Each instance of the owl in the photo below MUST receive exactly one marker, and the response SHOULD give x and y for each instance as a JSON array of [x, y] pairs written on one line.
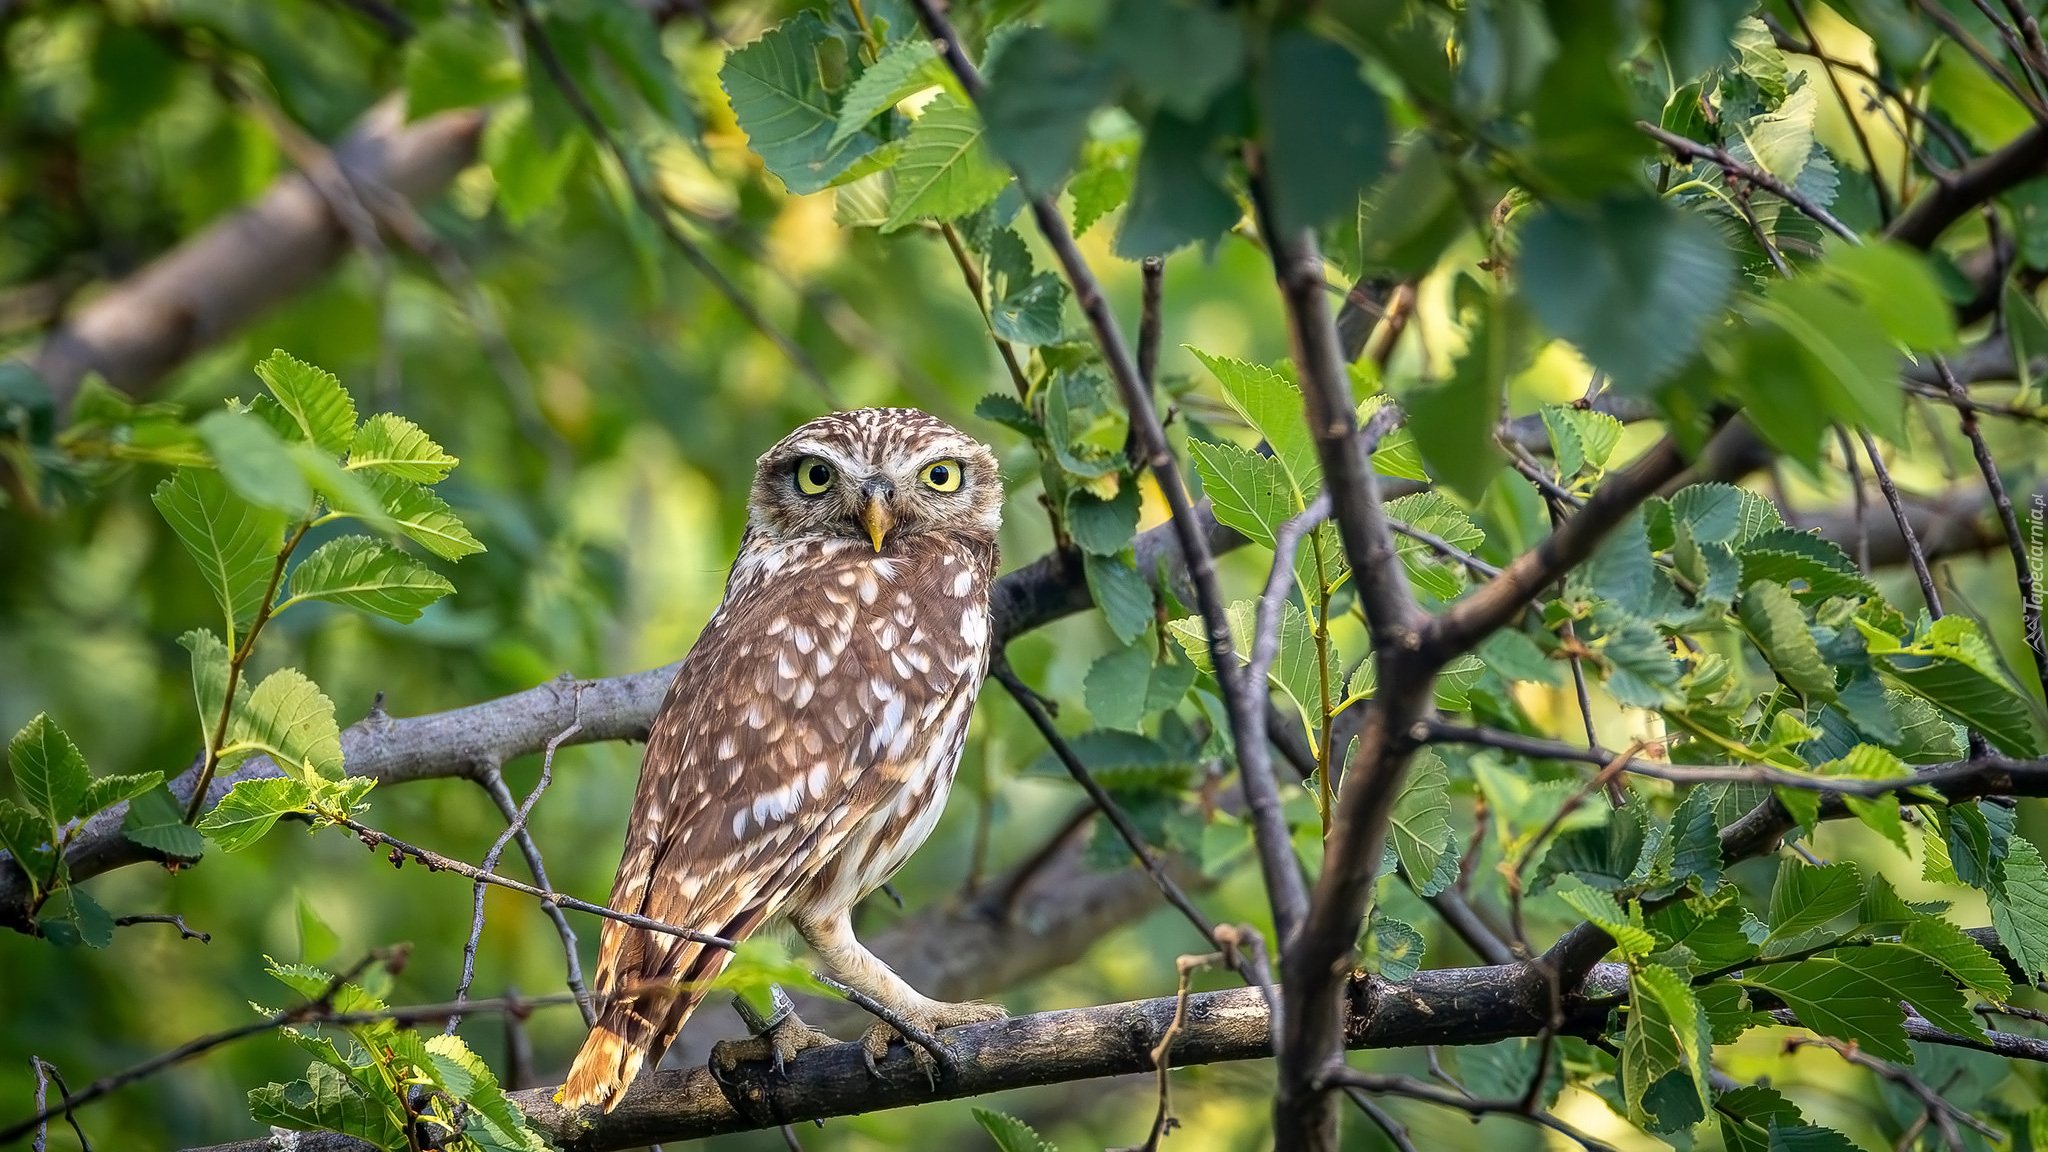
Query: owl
[[809, 739]]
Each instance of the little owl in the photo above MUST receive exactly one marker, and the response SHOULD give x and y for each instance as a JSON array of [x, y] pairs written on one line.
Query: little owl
[[809, 739]]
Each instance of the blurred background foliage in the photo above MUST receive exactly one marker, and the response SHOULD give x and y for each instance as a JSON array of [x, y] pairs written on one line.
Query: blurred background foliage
[[607, 475]]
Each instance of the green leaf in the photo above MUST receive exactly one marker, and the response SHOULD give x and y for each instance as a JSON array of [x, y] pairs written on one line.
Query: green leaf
[[1010, 1133], [424, 516], [1393, 948], [235, 542], [26, 836], [1805, 898], [71, 918], [327, 1099], [49, 770], [781, 103], [1273, 406], [1325, 129], [1179, 56], [1431, 512], [1666, 1033], [1601, 909], [1630, 282], [1896, 287], [1103, 183], [156, 821], [108, 791], [946, 170], [2027, 333], [255, 462], [1007, 410], [1774, 622], [1421, 829], [1854, 994], [1814, 569], [1948, 946], [1580, 437], [1028, 309], [315, 399], [1122, 594], [1179, 196], [1848, 358], [903, 70], [458, 62], [1041, 89], [1125, 686], [1248, 492], [395, 445], [362, 573], [250, 808], [2019, 906], [528, 174], [288, 717]]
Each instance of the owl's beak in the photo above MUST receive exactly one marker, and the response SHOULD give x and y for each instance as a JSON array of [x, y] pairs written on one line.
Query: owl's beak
[[877, 517]]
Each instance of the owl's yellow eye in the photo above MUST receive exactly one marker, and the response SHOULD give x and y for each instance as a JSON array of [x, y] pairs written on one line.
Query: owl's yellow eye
[[813, 476], [943, 476]]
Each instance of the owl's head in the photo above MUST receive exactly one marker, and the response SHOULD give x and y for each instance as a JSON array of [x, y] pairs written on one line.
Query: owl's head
[[875, 474]]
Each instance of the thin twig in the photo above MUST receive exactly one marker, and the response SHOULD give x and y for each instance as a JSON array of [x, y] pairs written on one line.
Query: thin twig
[[1884, 198], [2023, 570], [1254, 760], [972, 275], [1719, 157], [1341, 1075], [493, 783], [184, 932], [1912, 538], [1944, 1114], [1163, 1120], [490, 863]]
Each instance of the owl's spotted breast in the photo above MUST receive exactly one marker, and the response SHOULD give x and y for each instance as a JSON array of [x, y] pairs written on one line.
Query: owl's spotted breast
[[808, 742]]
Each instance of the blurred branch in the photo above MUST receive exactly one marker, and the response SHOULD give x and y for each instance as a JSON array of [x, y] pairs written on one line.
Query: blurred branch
[[219, 281], [1749, 173], [1948, 201]]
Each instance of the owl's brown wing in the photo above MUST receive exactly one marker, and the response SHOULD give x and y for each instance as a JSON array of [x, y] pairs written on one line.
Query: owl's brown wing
[[804, 709]]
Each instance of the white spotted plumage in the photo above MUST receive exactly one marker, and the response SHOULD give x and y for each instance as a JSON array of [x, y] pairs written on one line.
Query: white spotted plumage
[[809, 740]]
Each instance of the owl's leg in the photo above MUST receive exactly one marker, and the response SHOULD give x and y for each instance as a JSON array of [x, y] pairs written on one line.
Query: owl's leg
[[831, 937], [777, 1038]]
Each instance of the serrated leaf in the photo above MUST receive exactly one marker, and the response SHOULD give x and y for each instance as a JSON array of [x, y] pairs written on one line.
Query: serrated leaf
[[250, 808], [1248, 492], [288, 717], [2019, 906], [71, 918], [235, 542], [1948, 946], [1042, 86], [424, 516], [1433, 513], [902, 71], [1666, 1033], [49, 770], [392, 444], [1123, 687], [1775, 623], [1010, 413], [1103, 527], [25, 835], [363, 573], [1394, 949], [1273, 406], [1103, 183], [315, 399], [781, 102], [1010, 1133], [1812, 568], [108, 791], [327, 1099], [156, 821], [1854, 994], [1805, 897], [1601, 910], [1122, 594], [1421, 830], [946, 170], [1580, 437]]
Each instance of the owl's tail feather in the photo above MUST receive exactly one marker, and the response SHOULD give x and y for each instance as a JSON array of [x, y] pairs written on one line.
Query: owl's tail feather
[[641, 1024]]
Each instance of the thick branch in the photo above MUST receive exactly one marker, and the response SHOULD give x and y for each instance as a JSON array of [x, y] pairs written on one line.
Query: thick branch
[[222, 279], [1946, 202]]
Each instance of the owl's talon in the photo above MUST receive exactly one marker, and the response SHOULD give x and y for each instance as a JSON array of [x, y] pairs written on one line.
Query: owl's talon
[[778, 1046], [928, 1021]]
